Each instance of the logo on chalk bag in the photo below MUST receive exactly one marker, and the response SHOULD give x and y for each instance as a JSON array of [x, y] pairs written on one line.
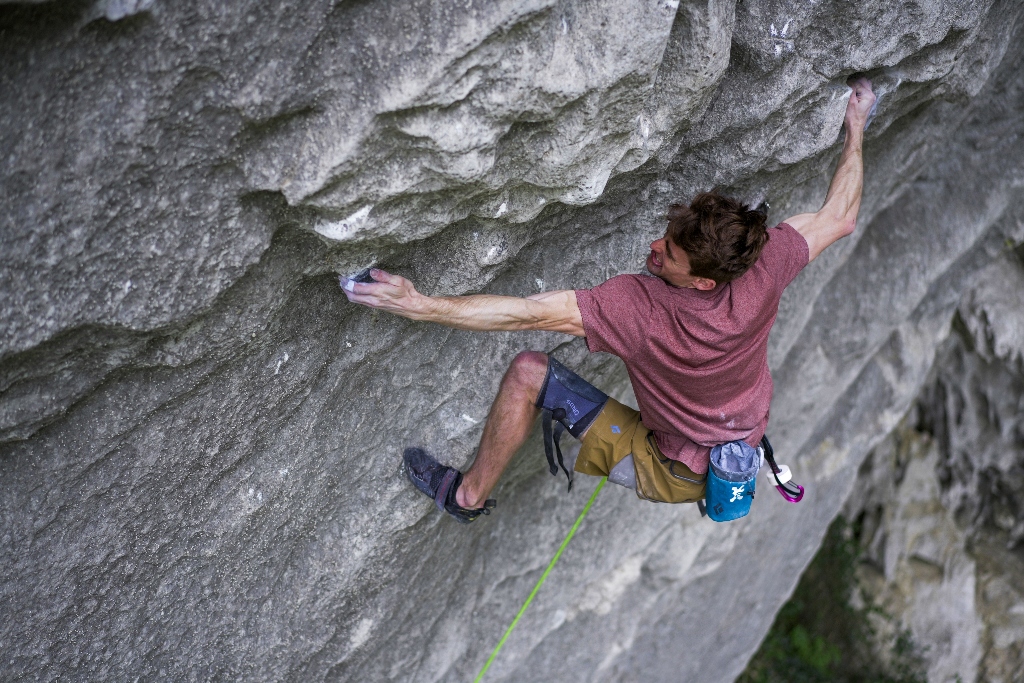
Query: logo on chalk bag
[[575, 410], [737, 493], [616, 430]]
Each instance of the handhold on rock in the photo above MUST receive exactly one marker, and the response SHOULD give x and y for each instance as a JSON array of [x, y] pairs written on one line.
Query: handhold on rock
[[362, 276]]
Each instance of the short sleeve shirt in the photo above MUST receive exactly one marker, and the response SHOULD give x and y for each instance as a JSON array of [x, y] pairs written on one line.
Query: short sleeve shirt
[[698, 361]]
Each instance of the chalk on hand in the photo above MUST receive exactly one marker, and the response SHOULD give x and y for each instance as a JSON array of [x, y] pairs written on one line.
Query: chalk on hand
[[871, 114], [362, 276], [348, 282]]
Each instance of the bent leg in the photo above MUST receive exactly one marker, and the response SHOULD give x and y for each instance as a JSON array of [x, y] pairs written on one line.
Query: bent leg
[[509, 424]]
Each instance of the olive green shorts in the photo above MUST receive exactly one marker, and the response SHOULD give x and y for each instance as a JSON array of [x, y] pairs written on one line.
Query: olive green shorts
[[618, 432]]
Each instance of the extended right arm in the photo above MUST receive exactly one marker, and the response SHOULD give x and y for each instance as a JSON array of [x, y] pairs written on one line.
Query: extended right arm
[[838, 216], [551, 311]]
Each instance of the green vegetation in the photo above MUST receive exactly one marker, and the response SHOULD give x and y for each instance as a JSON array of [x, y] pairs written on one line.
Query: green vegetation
[[819, 637]]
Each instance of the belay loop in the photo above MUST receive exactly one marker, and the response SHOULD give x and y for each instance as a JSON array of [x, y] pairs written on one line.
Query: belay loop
[[790, 490]]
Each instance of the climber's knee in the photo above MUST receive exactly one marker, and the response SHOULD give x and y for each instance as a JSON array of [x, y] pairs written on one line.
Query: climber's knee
[[526, 372], [569, 398]]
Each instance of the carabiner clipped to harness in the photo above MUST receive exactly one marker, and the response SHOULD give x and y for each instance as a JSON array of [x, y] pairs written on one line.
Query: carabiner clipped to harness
[[789, 489]]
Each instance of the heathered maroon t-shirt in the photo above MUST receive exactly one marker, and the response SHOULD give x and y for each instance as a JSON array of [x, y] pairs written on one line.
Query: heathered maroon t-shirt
[[698, 360]]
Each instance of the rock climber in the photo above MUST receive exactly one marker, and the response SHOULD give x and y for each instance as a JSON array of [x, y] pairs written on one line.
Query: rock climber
[[693, 336]]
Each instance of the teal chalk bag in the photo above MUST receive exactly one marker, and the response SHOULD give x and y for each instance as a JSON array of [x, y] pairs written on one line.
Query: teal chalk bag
[[731, 479]]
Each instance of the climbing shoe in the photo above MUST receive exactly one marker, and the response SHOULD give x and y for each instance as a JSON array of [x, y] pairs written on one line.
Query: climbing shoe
[[440, 482]]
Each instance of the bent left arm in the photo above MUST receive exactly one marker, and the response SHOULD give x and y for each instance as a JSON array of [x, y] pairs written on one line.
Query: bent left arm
[[838, 216], [550, 311]]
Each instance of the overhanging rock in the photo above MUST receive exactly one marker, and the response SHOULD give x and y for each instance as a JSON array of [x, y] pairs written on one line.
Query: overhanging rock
[[199, 469]]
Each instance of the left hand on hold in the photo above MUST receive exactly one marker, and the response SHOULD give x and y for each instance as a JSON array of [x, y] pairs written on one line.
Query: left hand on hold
[[392, 293]]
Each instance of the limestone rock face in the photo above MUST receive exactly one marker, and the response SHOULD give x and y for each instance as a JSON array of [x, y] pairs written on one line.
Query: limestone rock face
[[200, 439], [941, 501]]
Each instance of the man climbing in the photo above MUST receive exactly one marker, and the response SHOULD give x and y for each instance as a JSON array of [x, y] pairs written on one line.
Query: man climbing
[[694, 339]]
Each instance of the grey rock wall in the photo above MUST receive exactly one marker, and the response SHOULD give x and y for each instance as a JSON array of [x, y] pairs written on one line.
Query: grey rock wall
[[200, 439], [940, 502]]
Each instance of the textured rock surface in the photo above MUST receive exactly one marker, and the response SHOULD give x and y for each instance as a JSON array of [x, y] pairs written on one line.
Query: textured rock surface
[[941, 501], [199, 470]]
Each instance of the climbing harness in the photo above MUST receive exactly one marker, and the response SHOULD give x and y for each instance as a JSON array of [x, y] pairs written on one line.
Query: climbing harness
[[551, 564], [573, 402]]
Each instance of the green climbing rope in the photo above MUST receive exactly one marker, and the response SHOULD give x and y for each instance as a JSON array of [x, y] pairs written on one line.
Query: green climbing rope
[[572, 531]]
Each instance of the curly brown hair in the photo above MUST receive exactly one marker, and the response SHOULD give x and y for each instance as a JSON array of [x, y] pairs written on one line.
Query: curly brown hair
[[721, 237]]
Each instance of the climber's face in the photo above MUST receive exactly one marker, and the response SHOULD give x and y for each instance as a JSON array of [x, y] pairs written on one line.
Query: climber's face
[[668, 261]]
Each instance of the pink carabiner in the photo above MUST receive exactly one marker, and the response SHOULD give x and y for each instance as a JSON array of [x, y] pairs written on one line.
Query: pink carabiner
[[788, 496]]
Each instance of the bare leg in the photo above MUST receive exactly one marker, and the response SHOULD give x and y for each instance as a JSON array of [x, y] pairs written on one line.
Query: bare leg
[[508, 425]]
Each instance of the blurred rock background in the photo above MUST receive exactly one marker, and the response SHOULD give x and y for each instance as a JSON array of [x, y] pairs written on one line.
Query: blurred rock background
[[200, 438]]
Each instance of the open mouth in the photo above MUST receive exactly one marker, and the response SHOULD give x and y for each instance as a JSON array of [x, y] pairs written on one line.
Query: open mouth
[[655, 260]]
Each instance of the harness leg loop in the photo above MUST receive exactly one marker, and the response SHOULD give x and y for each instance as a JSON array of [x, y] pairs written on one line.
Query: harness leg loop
[[568, 403]]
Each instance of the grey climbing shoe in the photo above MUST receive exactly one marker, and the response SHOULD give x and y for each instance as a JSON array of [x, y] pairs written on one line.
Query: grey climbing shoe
[[440, 482]]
